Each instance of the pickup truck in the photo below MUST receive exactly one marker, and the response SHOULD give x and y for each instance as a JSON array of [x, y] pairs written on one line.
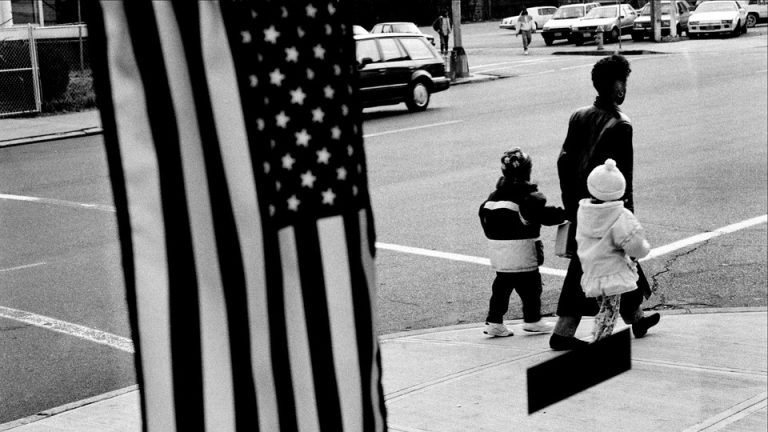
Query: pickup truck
[[757, 11]]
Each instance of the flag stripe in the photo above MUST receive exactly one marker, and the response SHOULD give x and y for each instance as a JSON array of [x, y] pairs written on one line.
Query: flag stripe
[[366, 252], [222, 81], [227, 242], [137, 131], [341, 312], [298, 336], [313, 292]]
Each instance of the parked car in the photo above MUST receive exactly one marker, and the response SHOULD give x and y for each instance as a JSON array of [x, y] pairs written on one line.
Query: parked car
[[401, 27], [642, 26], [399, 67], [757, 11], [615, 20], [718, 16], [559, 26], [540, 15]]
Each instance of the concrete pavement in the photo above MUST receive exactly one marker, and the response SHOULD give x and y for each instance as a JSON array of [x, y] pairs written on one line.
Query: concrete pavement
[[701, 371]]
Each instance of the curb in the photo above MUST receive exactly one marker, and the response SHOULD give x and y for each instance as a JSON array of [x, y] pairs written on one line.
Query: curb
[[691, 311], [51, 137], [474, 78], [606, 52]]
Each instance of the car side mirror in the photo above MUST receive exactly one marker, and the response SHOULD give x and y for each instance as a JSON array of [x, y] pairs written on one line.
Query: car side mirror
[[364, 61]]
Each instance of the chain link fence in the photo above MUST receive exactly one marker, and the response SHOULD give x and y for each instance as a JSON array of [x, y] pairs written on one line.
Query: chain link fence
[[46, 70]]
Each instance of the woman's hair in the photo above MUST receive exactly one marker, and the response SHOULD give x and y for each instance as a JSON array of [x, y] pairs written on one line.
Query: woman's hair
[[609, 70]]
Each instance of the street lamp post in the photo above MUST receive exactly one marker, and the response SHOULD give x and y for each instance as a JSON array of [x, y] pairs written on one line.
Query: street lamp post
[[461, 67]]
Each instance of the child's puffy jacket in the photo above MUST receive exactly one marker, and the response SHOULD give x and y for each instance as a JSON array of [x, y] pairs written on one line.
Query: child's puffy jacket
[[511, 218], [607, 235]]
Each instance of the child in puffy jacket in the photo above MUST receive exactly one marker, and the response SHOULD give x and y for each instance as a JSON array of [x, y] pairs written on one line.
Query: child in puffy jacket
[[609, 238], [511, 218]]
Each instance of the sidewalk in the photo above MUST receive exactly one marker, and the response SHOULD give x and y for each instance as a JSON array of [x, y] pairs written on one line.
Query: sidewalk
[[25, 130], [693, 372]]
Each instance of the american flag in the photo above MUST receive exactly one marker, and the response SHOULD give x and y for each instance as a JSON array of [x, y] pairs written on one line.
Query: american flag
[[233, 133]]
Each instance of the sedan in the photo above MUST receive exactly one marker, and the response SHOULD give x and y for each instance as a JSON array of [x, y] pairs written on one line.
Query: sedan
[[398, 67], [642, 26], [718, 16], [401, 27], [613, 21], [540, 15]]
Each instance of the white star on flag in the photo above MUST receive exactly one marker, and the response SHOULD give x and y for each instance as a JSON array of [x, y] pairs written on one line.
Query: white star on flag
[[302, 138], [276, 78], [292, 55], [336, 70], [331, 9], [341, 174], [335, 132], [310, 74], [297, 96], [245, 36], [350, 150], [293, 203], [317, 115], [328, 196], [260, 124], [344, 110], [323, 155], [319, 51], [308, 180], [282, 119], [254, 80], [328, 29], [311, 11], [271, 35], [300, 31], [266, 167], [328, 90], [288, 161]]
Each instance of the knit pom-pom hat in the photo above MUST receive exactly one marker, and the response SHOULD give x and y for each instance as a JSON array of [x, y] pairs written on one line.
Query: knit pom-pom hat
[[606, 182], [516, 164]]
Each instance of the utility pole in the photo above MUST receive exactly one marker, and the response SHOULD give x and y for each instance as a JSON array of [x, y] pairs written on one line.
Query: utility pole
[[656, 19], [673, 19], [461, 67]]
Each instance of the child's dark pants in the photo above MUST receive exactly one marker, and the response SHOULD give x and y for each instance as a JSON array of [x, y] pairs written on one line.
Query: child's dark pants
[[528, 286]]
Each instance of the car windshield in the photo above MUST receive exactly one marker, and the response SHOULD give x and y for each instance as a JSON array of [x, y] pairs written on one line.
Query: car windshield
[[568, 12], [646, 10], [716, 7], [602, 12]]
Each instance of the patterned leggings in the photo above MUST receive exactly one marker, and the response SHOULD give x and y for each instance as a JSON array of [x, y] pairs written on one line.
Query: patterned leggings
[[605, 319]]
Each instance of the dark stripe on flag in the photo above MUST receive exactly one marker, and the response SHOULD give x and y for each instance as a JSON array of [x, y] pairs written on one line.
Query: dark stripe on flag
[[318, 326], [578, 370], [363, 314], [227, 242], [97, 46], [183, 288]]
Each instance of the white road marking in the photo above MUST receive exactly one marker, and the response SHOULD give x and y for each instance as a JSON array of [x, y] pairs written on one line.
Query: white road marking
[[455, 257], [82, 332], [732, 414], [52, 201], [21, 267], [371, 135], [657, 252], [662, 250]]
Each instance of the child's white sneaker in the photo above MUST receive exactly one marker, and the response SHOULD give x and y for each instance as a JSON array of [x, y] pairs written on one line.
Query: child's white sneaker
[[497, 330], [538, 327]]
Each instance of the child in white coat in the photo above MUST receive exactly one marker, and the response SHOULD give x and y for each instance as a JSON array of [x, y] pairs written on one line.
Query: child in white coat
[[609, 240]]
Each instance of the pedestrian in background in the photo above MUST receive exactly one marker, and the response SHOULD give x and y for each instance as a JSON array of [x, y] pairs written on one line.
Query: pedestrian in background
[[610, 240], [511, 218], [525, 26], [596, 133], [442, 25]]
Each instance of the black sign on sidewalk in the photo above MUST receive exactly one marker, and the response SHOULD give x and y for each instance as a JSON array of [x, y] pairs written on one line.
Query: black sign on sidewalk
[[578, 370]]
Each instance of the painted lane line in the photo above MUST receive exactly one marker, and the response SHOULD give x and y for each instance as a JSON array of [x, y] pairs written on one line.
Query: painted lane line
[[655, 253], [732, 414], [52, 201], [371, 135], [21, 267], [663, 250], [76, 330], [455, 257]]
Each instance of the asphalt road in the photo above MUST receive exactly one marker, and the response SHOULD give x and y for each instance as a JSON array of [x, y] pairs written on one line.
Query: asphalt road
[[700, 143]]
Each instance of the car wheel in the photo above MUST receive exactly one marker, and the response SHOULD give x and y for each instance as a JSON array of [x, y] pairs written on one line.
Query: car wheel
[[548, 40], [418, 96], [736, 30], [637, 37], [615, 34], [751, 20]]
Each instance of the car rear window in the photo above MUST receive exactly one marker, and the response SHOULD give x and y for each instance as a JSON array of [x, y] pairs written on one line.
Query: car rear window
[[569, 12], [417, 48], [390, 50], [367, 48]]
